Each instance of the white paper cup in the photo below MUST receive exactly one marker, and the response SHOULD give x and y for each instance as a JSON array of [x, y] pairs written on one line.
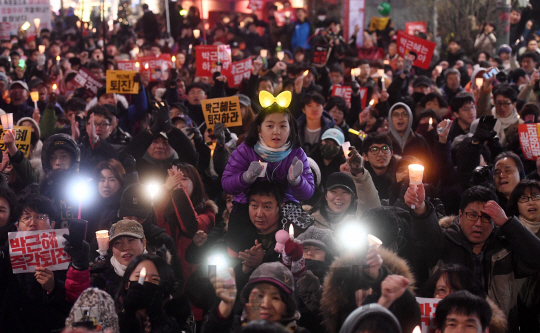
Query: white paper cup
[[102, 237], [416, 173], [372, 240]]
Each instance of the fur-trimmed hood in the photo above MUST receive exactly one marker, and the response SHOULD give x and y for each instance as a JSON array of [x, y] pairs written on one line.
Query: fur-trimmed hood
[[338, 298], [209, 204]]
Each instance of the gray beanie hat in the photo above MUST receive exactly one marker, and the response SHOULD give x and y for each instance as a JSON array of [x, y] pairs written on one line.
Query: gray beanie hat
[[322, 238], [94, 306]]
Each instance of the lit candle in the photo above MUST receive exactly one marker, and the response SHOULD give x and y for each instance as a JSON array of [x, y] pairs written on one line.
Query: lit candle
[[196, 33], [352, 75], [380, 72], [287, 14], [291, 232], [371, 103], [430, 127], [173, 59], [416, 173], [34, 95], [57, 58], [190, 47], [264, 53], [479, 82], [41, 49], [146, 66], [102, 237], [417, 329], [7, 121], [387, 62], [37, 22], [382, 84], [280, 55], [54, 87], [78, 24], [306, 72], [142, 275], [439, 69], [357, 72], [137, 65]]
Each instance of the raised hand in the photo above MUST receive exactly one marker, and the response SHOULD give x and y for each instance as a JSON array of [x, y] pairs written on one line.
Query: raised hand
[[295, 170], [254, 170]]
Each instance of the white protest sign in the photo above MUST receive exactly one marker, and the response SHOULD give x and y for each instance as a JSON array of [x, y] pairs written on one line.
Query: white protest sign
[[427, 313], [15, 13]]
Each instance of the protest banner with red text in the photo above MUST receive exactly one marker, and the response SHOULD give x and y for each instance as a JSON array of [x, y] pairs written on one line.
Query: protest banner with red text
[[529, 141], [85, 79], [40, 248], [208, 55], [412, 27], [238, 71], [284, 15], [418, 50], [157, 67], [427, 313], [346, 92]]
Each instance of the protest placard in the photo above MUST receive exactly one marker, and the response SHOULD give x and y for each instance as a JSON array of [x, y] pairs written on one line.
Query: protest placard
[[121, 82], [528, 139], [427, 313], [281, 16], [346, 91], [224, 110], [238, 71], [378, 23], [412, 27], [85, 79], [418, 50], [16, 13], [23, 135], [208, 55], [40, 248], [320, 54], [158, 67]]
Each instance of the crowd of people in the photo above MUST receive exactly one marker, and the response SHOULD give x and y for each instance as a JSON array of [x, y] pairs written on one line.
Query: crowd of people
[[302, 219]]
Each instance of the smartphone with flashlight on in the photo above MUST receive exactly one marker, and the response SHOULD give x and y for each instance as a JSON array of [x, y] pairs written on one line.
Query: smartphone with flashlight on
[[77, 232]]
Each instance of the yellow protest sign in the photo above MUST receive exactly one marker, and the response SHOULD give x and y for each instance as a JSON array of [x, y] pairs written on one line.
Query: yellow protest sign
[[121, 82], [23, 134], [224, 110], [378, 23]]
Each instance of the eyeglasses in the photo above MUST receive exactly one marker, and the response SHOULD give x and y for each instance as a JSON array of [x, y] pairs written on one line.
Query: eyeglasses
[[376, 150], [102, 125], [40, 218], [400, 115], [468, 109], [526, 198], [474, 217], [503, 103]]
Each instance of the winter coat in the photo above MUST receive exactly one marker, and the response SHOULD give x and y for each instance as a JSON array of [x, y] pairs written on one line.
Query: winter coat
[[93, 154], [529, 302], [383, 182], [510, 252], [367, 198], [327, 122], [301, 34], [310, 289], [233, 181], [333, 166], [19, 111], [175, 214], [338, 299], [26, 173], [485, 43], [35, 153]]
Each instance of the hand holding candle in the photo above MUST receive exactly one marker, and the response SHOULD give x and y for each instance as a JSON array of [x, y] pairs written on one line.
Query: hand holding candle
[[291, 232], [142, 275], [102, 237], [416, 173]]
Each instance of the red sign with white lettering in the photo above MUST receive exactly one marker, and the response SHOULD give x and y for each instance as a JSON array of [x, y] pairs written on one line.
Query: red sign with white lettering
[[412, 27], [207, 56], [238, 71], [346, 92], [418, 50]]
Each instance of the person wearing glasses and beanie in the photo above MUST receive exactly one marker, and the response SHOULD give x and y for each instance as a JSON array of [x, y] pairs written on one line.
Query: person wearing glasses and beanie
[[497, 248], [380, 161]]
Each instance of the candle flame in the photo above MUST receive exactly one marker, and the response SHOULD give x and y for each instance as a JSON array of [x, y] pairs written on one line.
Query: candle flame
[[387, 62], [291, 230], [357, 71], [57, 58], [137, 65], [417, 329], [146, 66], [352, 71], [54, 86], [173, 59], [371, 102], [143, 272], [431, 121], [306, 72]]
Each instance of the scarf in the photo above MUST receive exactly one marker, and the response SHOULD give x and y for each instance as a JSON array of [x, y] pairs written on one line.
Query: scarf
[[503, 123], [118, 267], [534, 227], [272, 154]]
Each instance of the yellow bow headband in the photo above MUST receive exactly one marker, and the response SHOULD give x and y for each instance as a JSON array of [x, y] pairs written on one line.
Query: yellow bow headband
[[267, 99]]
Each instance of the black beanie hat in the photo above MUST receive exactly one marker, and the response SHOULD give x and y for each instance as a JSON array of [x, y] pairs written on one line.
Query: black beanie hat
[[343, 180], [135, 202], [60, 141]]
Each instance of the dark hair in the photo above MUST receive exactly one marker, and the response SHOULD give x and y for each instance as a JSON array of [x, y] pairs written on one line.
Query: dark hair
[[99, 110], [461, 99], [312, 97], [378, 138], [512, 206], [116, 168], [376, 323], [431, 96], [458, 277], [476, 194], [258, 326], [166, 275], [144, 6], [336, 68], [267, 188], [95, 65], [339, 102], [513, 156], [465, 303], [506, 91], [289, 300], [37, 203], [531, 55], [200, 85], [530, 109], [198, 195], [426, 113], [487, 54], [361, 62], [11, 199], [264, 79], [253, 134]]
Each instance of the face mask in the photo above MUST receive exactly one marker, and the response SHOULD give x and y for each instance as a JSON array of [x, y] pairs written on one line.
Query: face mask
[[34, 138], [321, 17], [328, 152], [100, 43]]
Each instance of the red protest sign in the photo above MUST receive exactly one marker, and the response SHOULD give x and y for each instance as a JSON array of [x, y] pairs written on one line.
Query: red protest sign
[[320, 54], [41, 248], [427, 313], [158, 67], [85, 79], [346, 92], [528, 139], [418, 50], [281, 16], [206, 57], [411, 27], [238, 71]]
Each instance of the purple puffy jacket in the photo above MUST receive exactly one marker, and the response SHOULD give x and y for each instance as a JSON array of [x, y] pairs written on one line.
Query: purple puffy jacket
[[239, 162]]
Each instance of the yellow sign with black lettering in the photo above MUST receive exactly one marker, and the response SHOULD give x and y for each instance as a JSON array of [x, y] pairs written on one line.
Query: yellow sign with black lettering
[[121, 82], [378, 23], [23, 135], [224, 110]]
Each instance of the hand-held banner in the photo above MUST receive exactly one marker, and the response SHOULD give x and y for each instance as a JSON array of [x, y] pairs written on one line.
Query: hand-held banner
[[224, 110], [427, 313], [346, 93], [40, 248], [238, 71], [206, 57], [418, 50], [528, 139], [85, 79], [412, 27], [23, 136], [121, 82]]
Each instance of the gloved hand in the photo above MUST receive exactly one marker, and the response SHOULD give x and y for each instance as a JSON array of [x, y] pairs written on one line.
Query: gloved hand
[[295, 170], [52, 100], [219, 132], [355, 87], [194, 134], [484, 130], [136, 297], [162, 118], [355, 161], [294, 250], [79, 257], [129, 163], [155, 294], [254, 170]]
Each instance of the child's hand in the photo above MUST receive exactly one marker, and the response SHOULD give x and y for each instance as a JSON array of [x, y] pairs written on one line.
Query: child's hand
[[295, 170], [254, 170]]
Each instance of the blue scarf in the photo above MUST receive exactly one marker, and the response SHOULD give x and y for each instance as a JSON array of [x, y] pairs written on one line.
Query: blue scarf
[[270, 154]]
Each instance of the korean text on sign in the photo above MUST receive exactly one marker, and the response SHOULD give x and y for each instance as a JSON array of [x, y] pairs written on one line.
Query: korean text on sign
[[208, 55], [320, 55], [85, 79], [346, 92], [529, 141], [40, 248], [23, 135], [13, 14], [412, 27], [427, 313], [224, 110], [238, 71], [418, 50], [158, 67], [122, 82]]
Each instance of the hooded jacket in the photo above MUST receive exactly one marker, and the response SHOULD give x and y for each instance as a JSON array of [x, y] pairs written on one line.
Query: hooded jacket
[[300, 35], [510, 252], [35, 154], [326, 122], [233, 181]]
